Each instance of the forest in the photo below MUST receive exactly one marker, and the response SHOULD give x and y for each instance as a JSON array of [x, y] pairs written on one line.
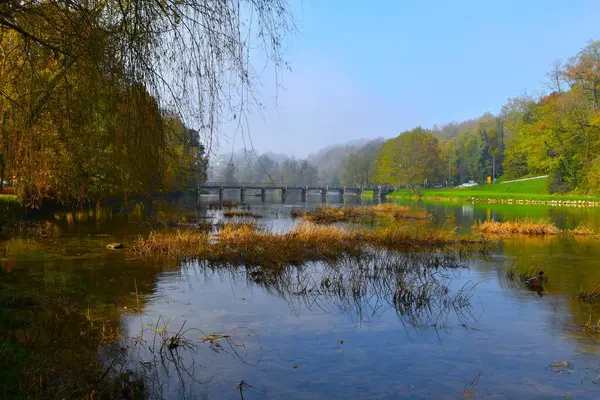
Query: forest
[[556, 134]]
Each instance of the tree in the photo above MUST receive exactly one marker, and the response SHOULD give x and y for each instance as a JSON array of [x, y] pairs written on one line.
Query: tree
[[187, 52], [89, 90], [410, 158]]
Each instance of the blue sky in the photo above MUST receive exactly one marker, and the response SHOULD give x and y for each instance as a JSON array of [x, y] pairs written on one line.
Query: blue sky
[[367, 69]]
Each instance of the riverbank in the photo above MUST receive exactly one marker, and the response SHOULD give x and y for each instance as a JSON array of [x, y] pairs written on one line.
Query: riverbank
[[530, 192]]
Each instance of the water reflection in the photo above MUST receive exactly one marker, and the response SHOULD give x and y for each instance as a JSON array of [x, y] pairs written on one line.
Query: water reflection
[[348, 326]]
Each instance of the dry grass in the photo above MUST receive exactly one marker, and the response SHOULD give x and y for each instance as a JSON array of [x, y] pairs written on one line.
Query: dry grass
[[243, 243], [591, 328], [516, 227], [240, 214], [392, 237], [589, 295], [217, 205], [328, 214], [164, 218], [528, 227], [581, 230]]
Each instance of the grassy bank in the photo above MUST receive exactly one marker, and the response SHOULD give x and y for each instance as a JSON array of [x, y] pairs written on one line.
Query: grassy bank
[[525, 192]]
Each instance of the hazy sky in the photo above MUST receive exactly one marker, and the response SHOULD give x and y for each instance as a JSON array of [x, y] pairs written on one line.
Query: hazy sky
[[366, 69]]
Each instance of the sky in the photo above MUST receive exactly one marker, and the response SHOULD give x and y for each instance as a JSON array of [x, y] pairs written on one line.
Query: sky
[[368, 69]]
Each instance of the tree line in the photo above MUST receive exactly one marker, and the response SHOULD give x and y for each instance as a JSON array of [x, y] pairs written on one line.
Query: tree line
[[555, 134]]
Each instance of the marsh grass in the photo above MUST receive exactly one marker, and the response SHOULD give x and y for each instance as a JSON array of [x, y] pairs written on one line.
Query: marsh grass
[[589, 295], [244, 243], [329, 214], [217, 205], [581, 230], [169, 219], [517, 227], [528, 227], [240, 214], [591, 328]]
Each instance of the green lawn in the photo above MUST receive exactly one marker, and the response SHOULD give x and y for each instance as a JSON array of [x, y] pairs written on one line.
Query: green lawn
[[534, 189]]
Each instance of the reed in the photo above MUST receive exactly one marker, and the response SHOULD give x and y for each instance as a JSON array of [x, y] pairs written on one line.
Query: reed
[[589, 295], [592, 328], [217, 205], [240, 214], [328, 214], [529, 227], [581, 230], [244, 243], [516, 227]]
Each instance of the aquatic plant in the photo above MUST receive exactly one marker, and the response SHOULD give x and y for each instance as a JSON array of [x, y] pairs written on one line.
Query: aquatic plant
[[240, 214], [529, 227], [592, 328], [516, 227], [244, 243], [329, 214], [581, 230], [168, 219], [589, 295], [217, 205]]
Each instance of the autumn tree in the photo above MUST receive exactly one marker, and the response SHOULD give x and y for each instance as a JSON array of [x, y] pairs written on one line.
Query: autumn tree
[[410, 158], [89, 89]]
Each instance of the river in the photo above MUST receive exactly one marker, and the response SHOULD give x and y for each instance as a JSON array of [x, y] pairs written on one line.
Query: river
[[481, 336]]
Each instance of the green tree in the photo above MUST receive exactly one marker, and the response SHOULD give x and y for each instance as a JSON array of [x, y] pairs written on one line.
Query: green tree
[[410, 158]]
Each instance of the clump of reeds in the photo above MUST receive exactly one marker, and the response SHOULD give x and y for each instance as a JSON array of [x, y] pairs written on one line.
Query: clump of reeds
[[528, 227], [217, 205], [181, 243], [240, 214], [328, 214], [162, 218], [404, 236], [581, 230], [592, 328], [204, 226], [516, 227], [244, 243], [589, 295]]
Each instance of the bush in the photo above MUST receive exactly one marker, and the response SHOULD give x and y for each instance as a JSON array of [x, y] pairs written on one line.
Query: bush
[[560, 181]]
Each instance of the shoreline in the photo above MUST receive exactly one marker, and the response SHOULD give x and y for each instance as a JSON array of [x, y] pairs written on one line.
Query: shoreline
[[507, 201]]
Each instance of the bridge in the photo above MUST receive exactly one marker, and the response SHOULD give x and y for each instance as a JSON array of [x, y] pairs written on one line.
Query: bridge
[[378, 191]]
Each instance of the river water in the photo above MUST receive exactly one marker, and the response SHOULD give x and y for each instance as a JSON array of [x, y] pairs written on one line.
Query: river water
[[476, 334]]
